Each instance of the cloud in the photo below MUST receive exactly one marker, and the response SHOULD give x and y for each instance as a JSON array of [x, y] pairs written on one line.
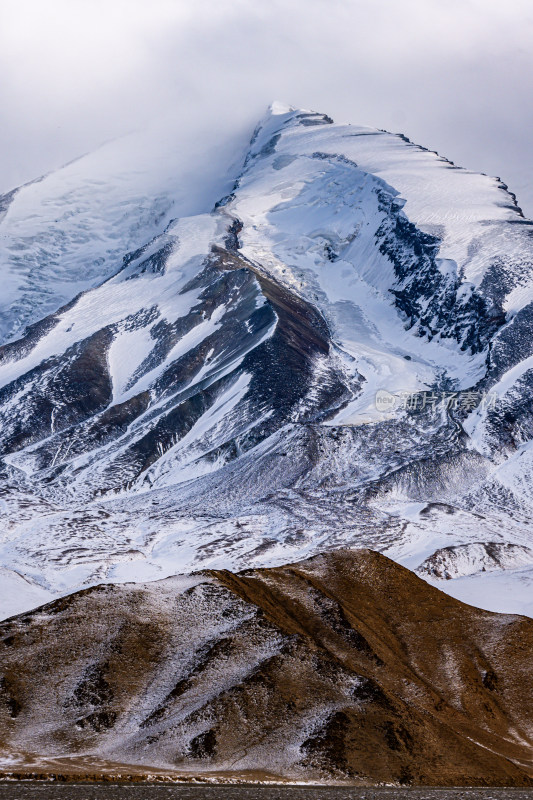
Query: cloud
[[456, 76]]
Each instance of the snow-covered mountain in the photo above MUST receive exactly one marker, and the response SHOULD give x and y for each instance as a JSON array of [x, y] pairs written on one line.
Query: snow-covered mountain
[[336, 351]]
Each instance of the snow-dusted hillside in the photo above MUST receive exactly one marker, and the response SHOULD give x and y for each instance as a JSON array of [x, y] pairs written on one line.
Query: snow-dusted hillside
[[344, 667], [211, 400]]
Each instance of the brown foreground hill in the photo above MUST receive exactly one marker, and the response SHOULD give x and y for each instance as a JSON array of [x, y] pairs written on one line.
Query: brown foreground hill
[[345, 667]]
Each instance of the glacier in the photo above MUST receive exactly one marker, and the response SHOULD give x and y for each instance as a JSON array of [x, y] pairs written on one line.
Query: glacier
[[190, 364]]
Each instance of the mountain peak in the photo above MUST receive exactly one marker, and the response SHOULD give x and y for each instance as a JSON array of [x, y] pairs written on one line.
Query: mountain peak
[[277, 108]]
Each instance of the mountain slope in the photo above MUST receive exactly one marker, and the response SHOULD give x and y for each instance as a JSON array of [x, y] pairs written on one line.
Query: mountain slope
[[342, 667], [213, 402], [68, 230]]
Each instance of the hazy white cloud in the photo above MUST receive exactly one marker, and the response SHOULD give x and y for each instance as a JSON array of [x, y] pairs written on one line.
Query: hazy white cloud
[[454, 75]]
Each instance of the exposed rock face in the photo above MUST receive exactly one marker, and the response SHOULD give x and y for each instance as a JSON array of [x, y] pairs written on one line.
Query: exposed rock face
[[469, 559], [342, 667]]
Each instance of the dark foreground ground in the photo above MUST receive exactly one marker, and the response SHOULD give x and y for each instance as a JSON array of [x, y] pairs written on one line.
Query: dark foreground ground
[[42, 791]]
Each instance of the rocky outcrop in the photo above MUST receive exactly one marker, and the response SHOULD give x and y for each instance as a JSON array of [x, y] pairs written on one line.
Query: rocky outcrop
[[469, 559]]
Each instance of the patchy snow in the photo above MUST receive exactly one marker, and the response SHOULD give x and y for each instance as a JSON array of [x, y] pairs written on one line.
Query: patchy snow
[[474, 425], [469, 559], [117, 300], [175, 465]]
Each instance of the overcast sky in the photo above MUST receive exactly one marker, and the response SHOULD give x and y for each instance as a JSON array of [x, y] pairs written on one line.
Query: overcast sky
[[453, 75]]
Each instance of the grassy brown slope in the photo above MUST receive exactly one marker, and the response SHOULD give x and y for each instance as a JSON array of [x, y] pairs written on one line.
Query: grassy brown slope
[[466, 673], [346, 666]]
